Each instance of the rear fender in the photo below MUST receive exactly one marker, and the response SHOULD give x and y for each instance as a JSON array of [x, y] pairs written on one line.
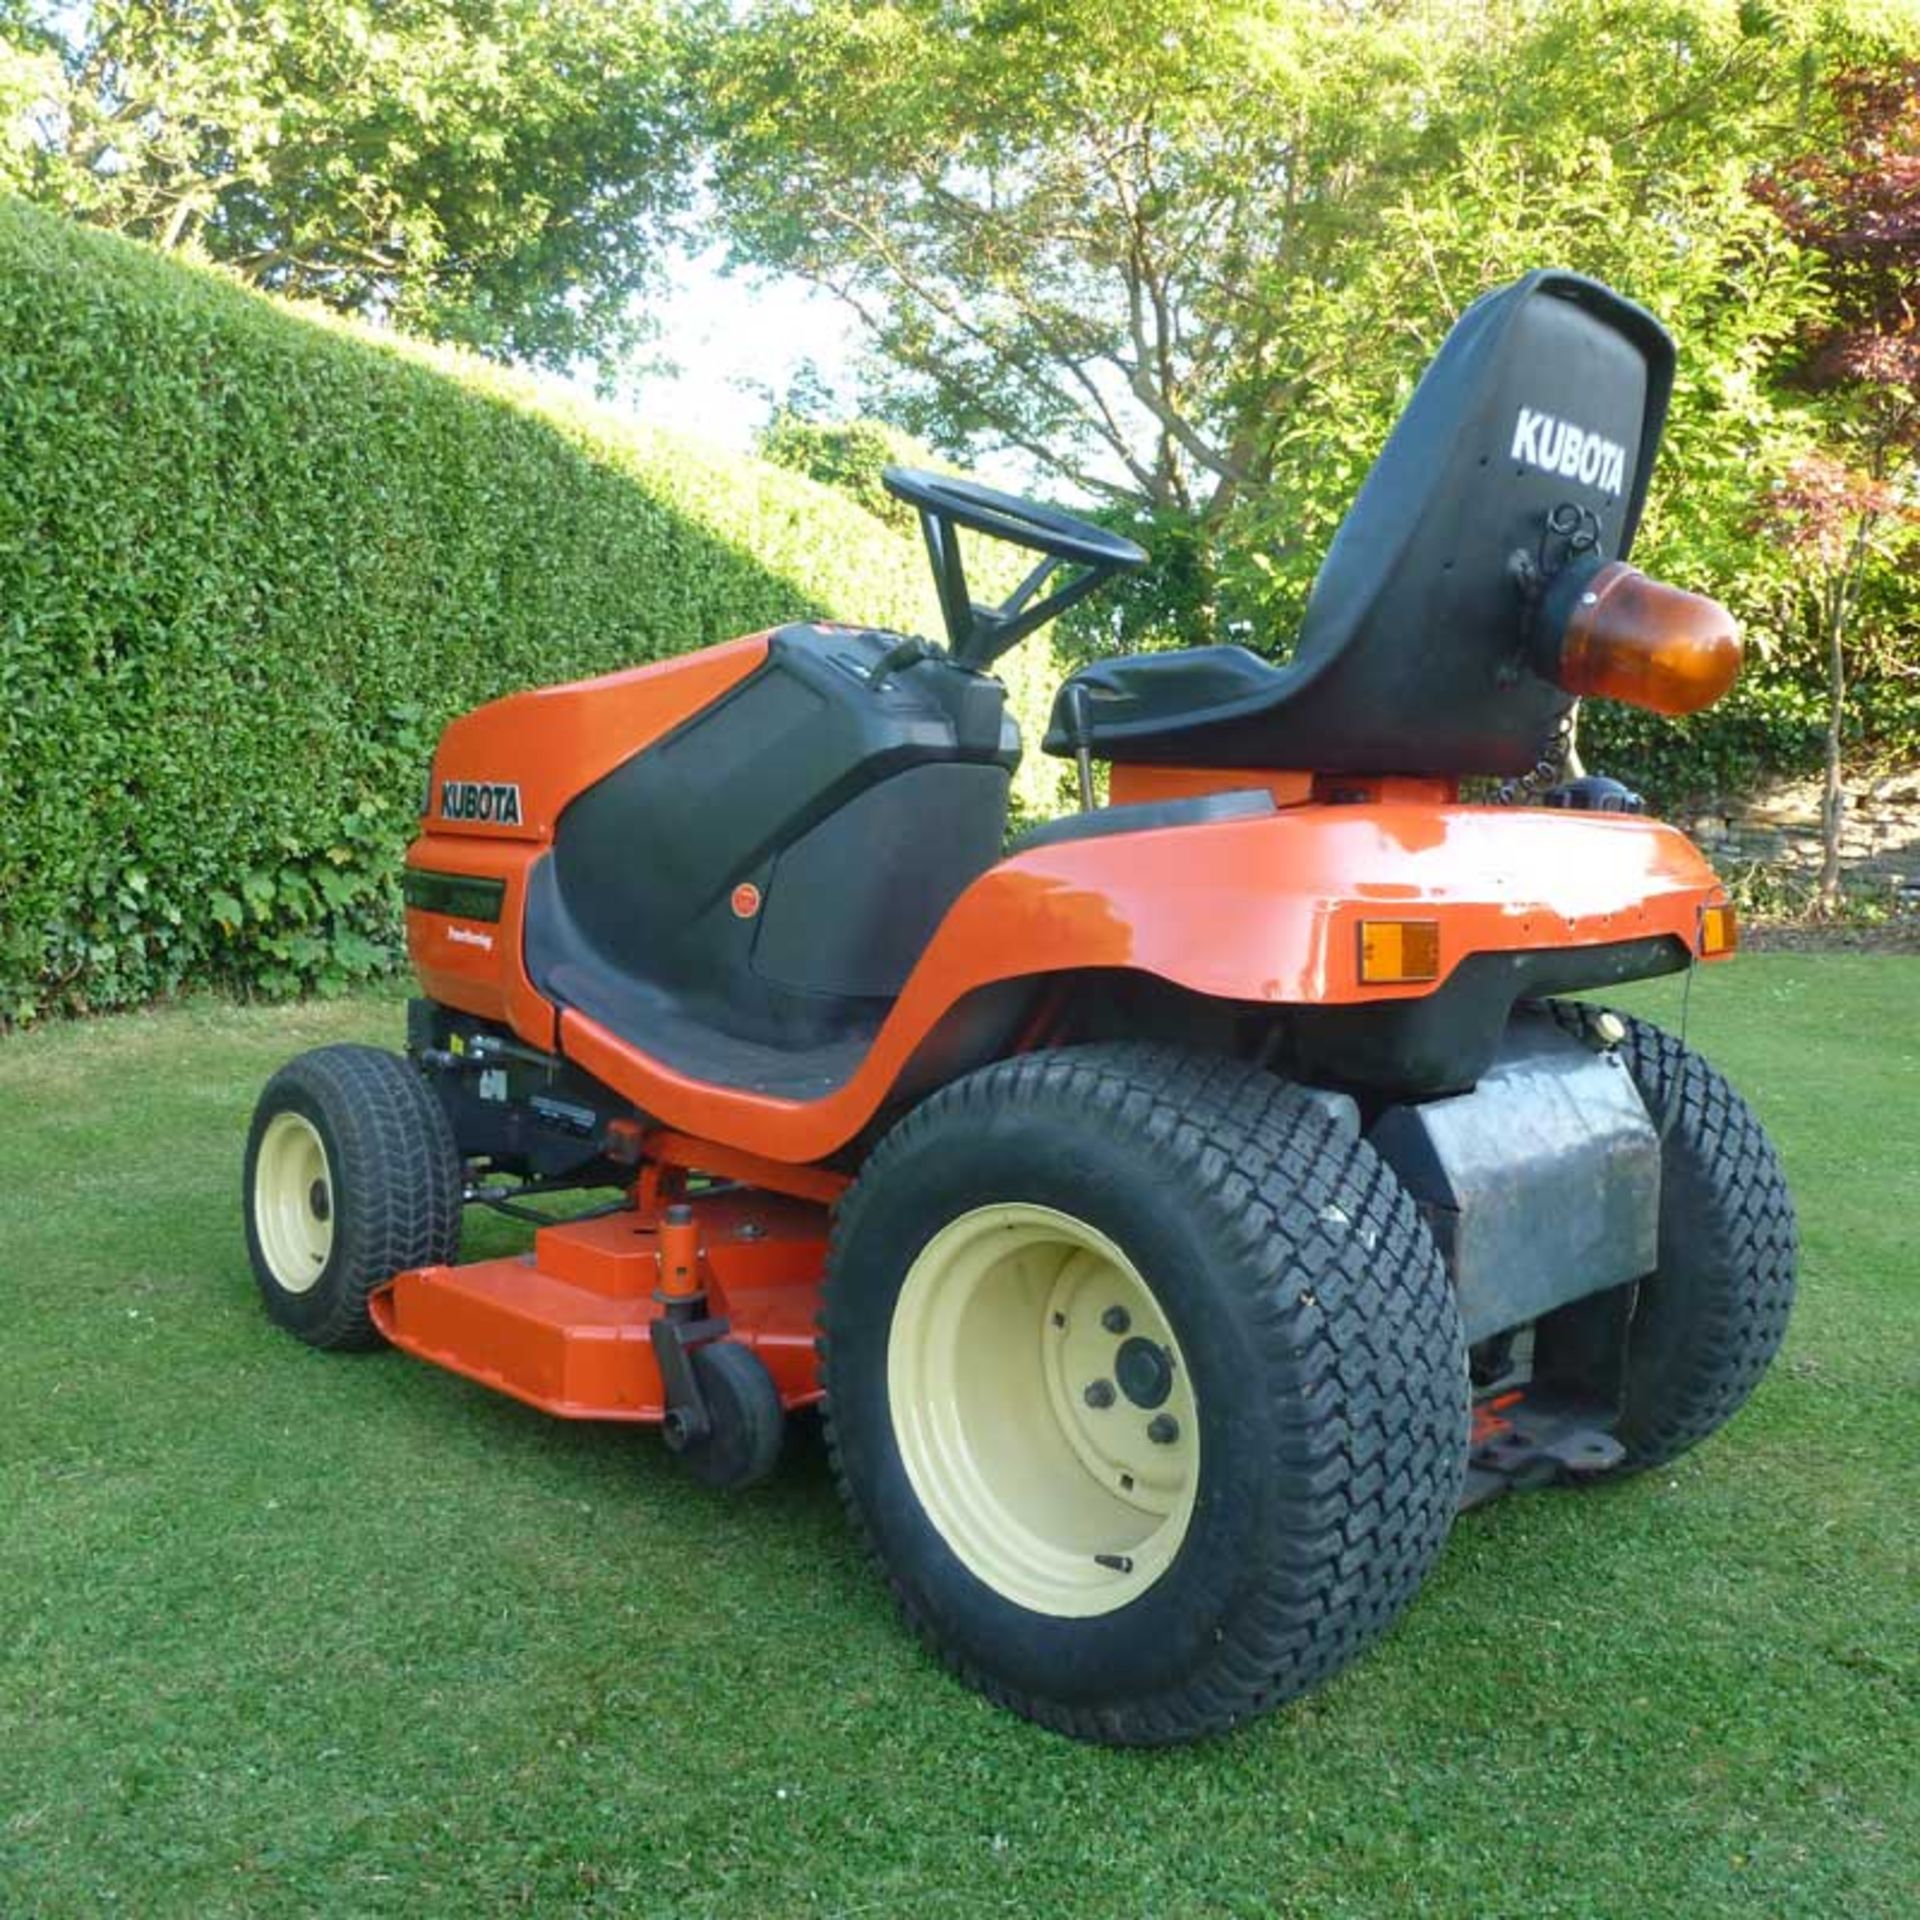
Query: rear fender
[[1269, 909], [1264, 911]]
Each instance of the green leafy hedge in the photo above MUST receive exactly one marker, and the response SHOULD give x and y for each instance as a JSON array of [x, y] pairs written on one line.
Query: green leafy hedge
[[250, 562]]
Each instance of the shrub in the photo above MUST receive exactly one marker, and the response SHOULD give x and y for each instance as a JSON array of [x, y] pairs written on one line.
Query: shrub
[[847, 455], [251, 561]]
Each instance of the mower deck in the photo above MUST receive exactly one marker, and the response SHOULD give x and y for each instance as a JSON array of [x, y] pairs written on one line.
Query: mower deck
[[567, 1327]]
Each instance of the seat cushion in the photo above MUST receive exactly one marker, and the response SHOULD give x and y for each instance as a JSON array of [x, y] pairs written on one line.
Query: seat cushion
[[1143, 815], [1147, 706]]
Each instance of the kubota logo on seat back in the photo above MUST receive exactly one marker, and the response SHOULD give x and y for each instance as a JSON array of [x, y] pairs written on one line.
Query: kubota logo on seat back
[[1558, 446], [495, 803]]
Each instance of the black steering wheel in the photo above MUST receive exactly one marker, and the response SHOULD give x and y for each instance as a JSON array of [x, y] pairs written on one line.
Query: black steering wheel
[[1026, 523], [978, 635]]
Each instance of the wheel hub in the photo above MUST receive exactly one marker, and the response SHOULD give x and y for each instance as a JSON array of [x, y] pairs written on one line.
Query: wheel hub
[[293, 1202], [1043, 1410], [1104, 1327], [1144, 1371]]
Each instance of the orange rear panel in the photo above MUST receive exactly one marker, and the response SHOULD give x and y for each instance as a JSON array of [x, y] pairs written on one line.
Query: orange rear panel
[[1265, 910]]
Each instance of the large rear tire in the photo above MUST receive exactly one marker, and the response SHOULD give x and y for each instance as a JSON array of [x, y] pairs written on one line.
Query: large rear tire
[[1145, 1383], [351, 1176], [1709, 1319]]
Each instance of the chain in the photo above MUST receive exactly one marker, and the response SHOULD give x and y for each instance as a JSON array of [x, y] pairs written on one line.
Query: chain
[[1545, 771]]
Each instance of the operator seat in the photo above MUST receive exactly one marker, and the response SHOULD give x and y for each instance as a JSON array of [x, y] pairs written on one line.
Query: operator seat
[[1548, 394]]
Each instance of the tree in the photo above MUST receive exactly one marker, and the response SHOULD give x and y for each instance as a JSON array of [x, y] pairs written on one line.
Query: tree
[[1855, 505], [28, 76], [1189, 258], [494, 172], [808, 432], [1042, 211]]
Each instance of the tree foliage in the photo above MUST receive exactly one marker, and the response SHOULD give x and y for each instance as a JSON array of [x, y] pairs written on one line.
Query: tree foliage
[[1164, 248], [492, 172], [848, 455], [1047, 213], [1854, 507], [1191, 259]]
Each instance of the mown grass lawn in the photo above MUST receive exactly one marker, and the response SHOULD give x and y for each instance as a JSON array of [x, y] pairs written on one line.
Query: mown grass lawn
[[284, 1633]]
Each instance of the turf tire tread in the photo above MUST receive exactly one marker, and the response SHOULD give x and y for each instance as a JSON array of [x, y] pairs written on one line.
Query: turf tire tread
[[397, 1183], [1350, 1305], [1709, 1321]]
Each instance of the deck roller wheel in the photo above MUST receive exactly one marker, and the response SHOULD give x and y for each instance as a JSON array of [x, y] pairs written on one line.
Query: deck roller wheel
[[744, 1421]]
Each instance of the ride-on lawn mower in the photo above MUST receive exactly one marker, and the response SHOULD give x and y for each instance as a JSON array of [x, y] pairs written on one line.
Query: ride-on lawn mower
[[1180, 1213]]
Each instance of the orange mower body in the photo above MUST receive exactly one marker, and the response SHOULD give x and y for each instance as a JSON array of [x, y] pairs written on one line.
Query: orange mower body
[[1161, 1199]]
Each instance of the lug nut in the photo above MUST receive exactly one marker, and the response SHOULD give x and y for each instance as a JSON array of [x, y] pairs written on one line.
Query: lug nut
[[1163, 1429], [1116, 1319], [1099, 1393]]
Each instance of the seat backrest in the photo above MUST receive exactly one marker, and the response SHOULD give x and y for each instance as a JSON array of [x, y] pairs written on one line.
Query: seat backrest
[[1548, 394]]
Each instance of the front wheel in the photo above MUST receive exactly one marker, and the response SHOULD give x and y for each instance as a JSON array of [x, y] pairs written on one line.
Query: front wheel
[[1146, 1383], [351, 1177]]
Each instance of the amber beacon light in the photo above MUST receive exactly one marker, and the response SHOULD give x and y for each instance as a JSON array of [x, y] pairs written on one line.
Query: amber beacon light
[[1622, 636]]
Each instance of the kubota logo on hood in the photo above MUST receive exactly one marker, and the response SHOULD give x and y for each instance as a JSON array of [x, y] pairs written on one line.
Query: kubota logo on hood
[[495, 803], [1558, 446]]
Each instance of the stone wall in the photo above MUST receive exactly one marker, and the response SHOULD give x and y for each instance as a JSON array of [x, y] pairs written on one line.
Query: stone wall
[[1779, 827]]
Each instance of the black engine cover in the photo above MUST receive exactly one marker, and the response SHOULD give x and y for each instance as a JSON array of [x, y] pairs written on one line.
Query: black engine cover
[[772, 869]]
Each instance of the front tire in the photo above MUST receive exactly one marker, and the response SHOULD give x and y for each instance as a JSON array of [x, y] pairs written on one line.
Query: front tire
[[352, 1176], [1265, 1452]]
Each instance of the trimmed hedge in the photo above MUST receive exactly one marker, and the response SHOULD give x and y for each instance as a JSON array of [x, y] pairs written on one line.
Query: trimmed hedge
[[251, 561]]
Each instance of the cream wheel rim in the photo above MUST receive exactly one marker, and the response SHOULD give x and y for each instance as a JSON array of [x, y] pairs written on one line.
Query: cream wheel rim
[[1043, 1410], [293, 1211]]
